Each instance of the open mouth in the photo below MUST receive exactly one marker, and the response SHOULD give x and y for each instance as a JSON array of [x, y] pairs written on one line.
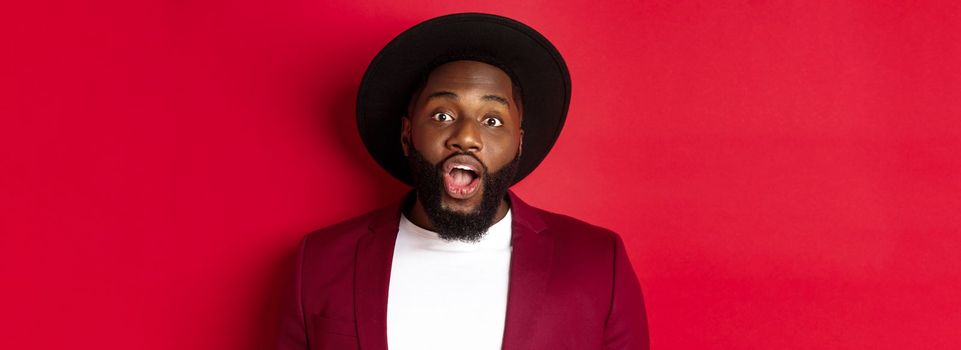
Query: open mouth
[[462, 176]]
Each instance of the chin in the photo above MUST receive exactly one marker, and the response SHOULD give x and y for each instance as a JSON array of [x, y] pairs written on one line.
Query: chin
[[462, 206]]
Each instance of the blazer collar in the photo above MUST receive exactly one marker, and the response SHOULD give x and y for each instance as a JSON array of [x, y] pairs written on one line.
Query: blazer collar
[[375, 252], [531, 255], [524, 218], [530, 267]]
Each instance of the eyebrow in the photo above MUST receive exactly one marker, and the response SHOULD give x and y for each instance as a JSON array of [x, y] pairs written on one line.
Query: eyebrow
[[496, 98], [453, 96], [443, 94]]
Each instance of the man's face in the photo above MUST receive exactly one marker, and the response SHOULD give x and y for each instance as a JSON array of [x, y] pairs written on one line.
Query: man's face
[[467, 124]]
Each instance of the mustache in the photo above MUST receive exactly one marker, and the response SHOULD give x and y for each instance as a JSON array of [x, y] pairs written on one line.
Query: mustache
[[462, 153]]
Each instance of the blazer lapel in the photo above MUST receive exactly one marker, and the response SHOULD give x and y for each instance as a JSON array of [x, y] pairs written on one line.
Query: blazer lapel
[[375, 252], [530, 267]]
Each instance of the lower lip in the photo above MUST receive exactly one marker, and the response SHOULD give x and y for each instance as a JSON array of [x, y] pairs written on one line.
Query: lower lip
[[460, 192]]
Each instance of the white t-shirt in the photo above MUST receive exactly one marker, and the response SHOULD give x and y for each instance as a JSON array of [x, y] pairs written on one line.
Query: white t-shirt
[[448, 295]]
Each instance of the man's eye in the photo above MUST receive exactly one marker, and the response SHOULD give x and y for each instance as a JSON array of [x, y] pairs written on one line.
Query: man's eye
[[491, 121], [442, 117]]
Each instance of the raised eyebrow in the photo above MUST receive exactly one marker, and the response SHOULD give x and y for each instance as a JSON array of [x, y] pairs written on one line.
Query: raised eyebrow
[[442, 94], [451, 95], [495, 98]]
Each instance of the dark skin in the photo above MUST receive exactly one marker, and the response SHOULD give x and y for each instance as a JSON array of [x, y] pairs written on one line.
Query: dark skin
[[465, 106]]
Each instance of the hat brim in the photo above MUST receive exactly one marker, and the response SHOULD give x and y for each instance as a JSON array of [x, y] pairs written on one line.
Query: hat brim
[[533, 61]]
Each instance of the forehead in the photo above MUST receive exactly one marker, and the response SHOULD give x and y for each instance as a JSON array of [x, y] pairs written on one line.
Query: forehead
[[469, 75]]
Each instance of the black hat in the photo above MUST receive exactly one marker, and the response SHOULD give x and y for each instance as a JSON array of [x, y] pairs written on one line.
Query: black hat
[[532, 62]]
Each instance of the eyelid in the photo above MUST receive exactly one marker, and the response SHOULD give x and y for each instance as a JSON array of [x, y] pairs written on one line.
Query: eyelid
[[434, 115], [499, 120]]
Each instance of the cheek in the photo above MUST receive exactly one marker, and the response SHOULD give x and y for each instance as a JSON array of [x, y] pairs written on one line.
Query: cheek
[[502, 151], [516, 140], [428, 142]]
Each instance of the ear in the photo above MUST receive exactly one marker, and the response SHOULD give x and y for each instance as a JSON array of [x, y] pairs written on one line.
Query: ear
[[520, 145], [405, 135]]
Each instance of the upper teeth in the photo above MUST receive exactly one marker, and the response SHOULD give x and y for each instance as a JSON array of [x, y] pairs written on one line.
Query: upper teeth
[[462, 167]]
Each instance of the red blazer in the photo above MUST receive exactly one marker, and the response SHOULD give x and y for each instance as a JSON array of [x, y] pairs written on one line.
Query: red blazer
[[571, 286]]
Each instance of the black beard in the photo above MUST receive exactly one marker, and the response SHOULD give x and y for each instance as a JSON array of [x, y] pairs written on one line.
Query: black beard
[[452, 225]]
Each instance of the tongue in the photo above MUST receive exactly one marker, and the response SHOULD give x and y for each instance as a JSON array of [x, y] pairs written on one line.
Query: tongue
[[461, 177]]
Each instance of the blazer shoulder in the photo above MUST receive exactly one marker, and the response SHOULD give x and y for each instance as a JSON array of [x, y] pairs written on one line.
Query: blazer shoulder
[[566, 226], [346, 232]]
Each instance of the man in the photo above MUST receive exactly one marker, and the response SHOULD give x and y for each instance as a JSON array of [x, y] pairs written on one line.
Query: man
[[462, 107]]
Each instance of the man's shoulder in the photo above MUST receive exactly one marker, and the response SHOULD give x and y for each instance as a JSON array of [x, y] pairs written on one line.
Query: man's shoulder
[[583, 250], [346, 232], [568, 227]]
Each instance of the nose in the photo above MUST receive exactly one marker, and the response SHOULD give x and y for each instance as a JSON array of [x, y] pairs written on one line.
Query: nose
[[466, 136]]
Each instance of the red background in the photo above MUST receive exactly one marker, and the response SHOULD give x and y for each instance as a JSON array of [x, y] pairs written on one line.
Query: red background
[[785, 174]]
